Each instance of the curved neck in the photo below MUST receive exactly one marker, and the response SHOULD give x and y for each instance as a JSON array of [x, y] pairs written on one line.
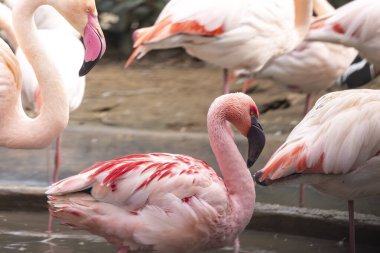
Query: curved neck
[[6, 24], [303, 14], [54, 113], [236, 175], [322, 7]]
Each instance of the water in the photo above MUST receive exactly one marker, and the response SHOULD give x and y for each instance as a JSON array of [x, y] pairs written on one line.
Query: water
[[25, 232]]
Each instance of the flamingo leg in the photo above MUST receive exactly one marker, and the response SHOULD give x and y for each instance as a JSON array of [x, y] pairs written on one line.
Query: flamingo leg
[[351, 220], [226, 86], [237, 245], [57, 158], [247, 84], [57, 165], [122, 250], [50, 224], [301, 201]]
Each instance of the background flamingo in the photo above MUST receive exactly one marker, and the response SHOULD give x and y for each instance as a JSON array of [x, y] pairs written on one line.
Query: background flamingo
[[310, 68], [239, 34], [62, 43], [335, 148], [167, 202], [17, 129], [355, 24]]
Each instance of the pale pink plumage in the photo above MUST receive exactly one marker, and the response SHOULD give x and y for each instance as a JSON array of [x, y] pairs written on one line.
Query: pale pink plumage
[[166, 202], [238, 34], [355, 24], [230, 34], [335, 147], [312, 66]]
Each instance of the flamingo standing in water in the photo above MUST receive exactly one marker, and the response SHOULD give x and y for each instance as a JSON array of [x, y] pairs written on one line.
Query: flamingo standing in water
[[335, 148], [167, 202], [17, 130], [356, 24], [310, 68], [61, 42], [230, 34]]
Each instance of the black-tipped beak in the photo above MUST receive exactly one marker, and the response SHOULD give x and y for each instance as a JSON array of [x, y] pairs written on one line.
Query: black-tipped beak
[[257, 177], [87, 66], [94, 44], [256, 141]]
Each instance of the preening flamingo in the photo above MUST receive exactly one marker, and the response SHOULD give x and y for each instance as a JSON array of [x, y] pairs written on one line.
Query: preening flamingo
[[65, 49], [17, 130], [167, 202], [230, 34], [356, 24], [335, 148]]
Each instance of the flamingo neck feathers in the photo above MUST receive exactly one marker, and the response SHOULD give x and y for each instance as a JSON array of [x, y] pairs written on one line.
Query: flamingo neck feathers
[[303, 15], [237, 177], [22, 131]]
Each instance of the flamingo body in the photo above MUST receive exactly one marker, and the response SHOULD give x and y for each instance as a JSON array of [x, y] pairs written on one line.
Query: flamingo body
[[355, 24], [157, 195], [309, 68], [167, 202], [335, 147], [239, 34]]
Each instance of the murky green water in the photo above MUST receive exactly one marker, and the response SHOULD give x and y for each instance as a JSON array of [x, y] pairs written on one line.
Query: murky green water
[[25, 232]]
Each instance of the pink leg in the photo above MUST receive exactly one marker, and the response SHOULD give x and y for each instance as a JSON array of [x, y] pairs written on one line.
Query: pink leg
[[122, 250], [237, 245], [351, 220], [308, 102], [57, 165], [226, 87], [57, 158], [247, 84], [50, 224], [307, 108]]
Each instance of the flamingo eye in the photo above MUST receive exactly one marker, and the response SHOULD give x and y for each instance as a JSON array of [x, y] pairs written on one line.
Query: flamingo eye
[[88, 9]]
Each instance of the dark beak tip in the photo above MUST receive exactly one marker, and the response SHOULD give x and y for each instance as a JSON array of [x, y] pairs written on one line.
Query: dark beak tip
[[257, 178], [86, 67], [250, 163]]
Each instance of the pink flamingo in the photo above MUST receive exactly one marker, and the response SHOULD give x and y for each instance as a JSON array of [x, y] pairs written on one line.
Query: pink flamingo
[[335, 148], [233, 35], [355, 24], [310, 68], [17, 130], [167, 202], [61, 42]]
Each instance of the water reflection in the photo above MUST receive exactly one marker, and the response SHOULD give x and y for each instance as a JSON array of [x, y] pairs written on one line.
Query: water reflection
[[25, 232]]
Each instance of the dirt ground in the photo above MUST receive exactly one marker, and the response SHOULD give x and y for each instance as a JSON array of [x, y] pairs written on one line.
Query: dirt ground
[[170, 91]]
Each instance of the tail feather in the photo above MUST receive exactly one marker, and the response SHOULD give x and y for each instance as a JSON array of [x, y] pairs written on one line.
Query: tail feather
[[165, 29], [71, 184]]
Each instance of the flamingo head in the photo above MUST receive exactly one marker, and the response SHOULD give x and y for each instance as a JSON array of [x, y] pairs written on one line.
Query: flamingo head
[[243, 114], [83, 16]]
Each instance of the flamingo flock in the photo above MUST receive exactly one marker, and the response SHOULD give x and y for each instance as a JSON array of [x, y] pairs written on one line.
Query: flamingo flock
[[162, 202]]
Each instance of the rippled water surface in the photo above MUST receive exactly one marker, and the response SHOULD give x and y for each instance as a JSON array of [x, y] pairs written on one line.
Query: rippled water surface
[[25, 232]]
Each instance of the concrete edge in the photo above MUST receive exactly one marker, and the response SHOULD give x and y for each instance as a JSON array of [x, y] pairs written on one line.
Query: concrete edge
[[326, 224]]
